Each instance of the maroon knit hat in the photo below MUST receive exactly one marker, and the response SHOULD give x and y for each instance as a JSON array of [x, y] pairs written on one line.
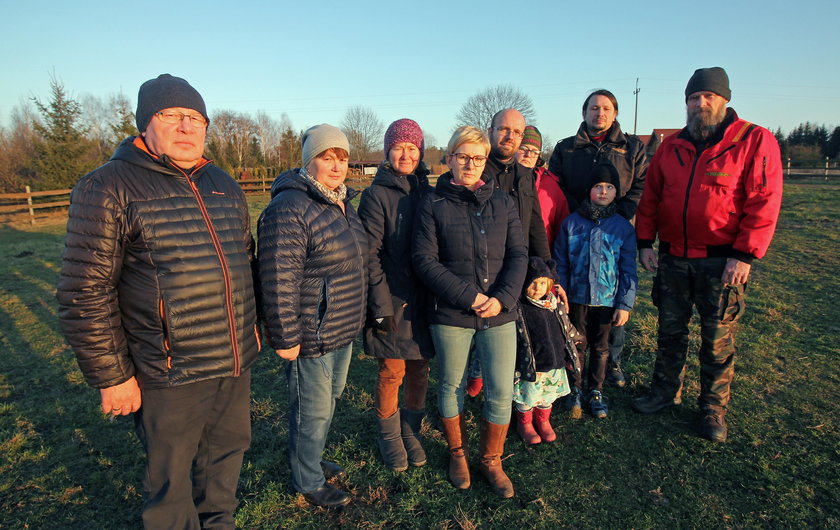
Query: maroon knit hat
[[404, 130]]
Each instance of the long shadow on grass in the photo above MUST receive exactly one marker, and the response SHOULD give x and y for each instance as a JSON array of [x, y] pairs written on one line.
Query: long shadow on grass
[[63, 462]]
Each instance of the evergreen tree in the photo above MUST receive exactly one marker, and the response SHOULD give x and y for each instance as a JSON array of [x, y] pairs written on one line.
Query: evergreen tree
[[832, 148], [63, 154], [123, 126]]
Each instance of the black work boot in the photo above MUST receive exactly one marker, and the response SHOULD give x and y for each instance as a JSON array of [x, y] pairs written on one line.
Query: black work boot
[[654, 401], [713, 427]]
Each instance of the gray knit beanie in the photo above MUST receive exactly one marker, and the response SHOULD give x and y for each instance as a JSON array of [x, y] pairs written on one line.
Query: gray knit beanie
[[164, 92], [713, 79], [319, 138]]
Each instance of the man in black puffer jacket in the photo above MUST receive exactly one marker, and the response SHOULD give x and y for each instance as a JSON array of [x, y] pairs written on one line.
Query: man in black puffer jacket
[[156, 298]]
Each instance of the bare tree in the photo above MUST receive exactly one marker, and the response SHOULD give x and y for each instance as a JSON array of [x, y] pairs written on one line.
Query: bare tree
[[364, 131], [480, 108], [231, 137], [268, 131]]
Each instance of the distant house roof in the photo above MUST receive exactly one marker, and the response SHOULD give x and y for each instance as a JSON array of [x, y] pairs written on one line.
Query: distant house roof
[[653, 140], [661, 134]]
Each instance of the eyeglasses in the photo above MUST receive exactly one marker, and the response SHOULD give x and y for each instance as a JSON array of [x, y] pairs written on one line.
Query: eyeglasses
[[478, 160], [171, 116], [528, 153], [516, 133]]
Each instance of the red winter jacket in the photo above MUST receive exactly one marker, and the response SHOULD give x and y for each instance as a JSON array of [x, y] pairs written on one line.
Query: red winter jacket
[[722, 201], [553, 204]]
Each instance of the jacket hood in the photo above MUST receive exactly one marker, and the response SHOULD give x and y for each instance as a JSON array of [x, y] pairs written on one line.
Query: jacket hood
[[133, 150], [614, 135], [291, 180], [385, 176], [448, 189]]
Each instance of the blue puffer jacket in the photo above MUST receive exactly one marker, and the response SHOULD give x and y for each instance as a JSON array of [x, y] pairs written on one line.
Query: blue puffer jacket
[[596, 260], [469, 242], [313, 268]]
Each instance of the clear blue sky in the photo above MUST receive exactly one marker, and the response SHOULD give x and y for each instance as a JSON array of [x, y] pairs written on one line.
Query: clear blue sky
[[313, 60]]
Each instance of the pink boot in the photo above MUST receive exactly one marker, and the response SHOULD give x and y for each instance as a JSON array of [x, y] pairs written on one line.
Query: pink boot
[[544, 428], [525, 427]]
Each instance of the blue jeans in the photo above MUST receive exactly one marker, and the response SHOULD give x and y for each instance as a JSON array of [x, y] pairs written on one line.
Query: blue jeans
[[314, 385], [496, 349]]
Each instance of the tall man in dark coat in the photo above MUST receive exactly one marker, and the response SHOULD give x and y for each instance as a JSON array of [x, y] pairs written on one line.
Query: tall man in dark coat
[[600, 139], [157, 300]]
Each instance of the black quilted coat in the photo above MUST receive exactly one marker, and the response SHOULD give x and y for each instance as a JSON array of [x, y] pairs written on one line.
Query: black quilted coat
[[156, 274], [312, 268], [387, 210], [469, 242]]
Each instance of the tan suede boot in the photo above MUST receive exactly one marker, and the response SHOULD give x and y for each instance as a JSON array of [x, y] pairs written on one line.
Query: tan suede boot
[[454, 429], [490, 454]]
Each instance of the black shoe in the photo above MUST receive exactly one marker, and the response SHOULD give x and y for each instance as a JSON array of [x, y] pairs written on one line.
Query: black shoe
[[713, 427], [597, 406], [573, 404], [615, 376], [654, 402], [332, 470], [327, 496]]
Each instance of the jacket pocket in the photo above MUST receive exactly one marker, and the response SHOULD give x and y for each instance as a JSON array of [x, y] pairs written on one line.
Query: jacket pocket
[[732, 304], [167, 345], [322, 309]]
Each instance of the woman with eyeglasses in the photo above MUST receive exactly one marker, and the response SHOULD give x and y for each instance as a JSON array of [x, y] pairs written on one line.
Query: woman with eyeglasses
[[469, 250], [553, 204]]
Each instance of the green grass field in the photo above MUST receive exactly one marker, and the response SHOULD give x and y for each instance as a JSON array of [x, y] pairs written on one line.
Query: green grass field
[[63, 466]]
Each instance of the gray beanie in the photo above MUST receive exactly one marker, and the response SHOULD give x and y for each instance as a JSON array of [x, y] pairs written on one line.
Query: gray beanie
[[163, 92], [319, 138], [713, 79]]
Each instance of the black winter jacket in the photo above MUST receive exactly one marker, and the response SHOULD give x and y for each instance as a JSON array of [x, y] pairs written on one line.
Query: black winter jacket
[[574, 157], [312, 268], [387, 210], [469, 242], [156, 274], [524, 192], [546, 340]]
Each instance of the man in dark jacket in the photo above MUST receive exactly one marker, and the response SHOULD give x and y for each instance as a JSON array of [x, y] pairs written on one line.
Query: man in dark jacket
[[505, 133], [599, 139], [156, 298], [713, 197]]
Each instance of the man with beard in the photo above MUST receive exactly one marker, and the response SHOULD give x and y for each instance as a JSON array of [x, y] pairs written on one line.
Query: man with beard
[[600, 139], [712, 198], [506, 130]]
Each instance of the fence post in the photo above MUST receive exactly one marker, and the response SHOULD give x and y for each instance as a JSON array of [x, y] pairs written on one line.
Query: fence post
[[29, 202], [826, 168], [788, 166]]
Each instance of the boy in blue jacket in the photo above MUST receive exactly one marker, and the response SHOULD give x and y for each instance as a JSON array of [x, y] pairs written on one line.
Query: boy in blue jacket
[[596, 265]]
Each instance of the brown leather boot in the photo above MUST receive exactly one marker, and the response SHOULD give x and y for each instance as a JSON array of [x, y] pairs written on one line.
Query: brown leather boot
[[490, 454], [454, 429]]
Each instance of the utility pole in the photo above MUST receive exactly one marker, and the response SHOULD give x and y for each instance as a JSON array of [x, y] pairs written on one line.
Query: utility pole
[[636, 113]]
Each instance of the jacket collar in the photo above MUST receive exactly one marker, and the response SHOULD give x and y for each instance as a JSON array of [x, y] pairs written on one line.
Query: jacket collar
[[453, 192], [134, 151], [385, 176], [614, 136]]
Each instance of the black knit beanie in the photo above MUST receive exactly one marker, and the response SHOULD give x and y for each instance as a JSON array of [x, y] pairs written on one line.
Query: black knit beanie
[[713, 79], [605, 172], [163, 92], [539, 268]]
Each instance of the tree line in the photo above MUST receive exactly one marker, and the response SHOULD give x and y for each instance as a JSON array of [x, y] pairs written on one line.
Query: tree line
[[50, 144]]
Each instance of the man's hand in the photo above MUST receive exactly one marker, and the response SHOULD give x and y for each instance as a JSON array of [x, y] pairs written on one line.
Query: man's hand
[[735, 272], [121, 399], [620, 317], [648, 259], [561, 295], [490, 308], [289, 354]]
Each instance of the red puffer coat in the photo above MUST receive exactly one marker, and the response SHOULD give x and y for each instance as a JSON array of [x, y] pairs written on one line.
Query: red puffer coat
[[721, 201]]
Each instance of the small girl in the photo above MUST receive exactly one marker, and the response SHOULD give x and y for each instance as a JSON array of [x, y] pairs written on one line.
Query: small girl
[[596, 265], [545, 346]]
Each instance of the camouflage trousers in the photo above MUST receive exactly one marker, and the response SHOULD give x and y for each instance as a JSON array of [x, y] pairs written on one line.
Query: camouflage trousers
[[679, 285]]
